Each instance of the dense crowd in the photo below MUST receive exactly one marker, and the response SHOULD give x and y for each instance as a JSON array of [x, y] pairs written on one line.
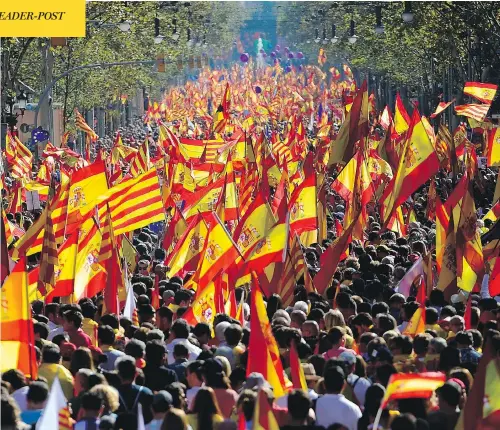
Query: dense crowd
[[350, 340]]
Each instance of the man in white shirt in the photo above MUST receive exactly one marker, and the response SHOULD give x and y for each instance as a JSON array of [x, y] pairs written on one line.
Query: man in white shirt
[[333, 407], [358, 384], [179, 333]]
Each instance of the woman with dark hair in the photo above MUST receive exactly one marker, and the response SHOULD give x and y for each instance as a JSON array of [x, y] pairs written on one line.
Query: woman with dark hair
[[206, 413], [81, 359], [449, 358], [215, 378], [273, 304]]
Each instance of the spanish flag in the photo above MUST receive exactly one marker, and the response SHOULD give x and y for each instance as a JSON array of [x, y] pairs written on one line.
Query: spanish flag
[[87, 185], [416, 325], [254, 225], [65, 275], [302, 206], [446, 255], [493, 148], [17, 346], [412, 386], [401, 117], [264, 354], [188, 250], [417, 164], [219, 253], [483, 92]]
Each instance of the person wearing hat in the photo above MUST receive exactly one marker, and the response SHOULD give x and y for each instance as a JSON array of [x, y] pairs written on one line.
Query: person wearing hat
[[162, 403]]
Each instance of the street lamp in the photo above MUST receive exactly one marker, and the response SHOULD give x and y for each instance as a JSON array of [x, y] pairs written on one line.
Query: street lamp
[[352, 37], [317, 39], [325, 39], [22, 101], [124, 25], [379, 27], [407, 14], [334, 38]]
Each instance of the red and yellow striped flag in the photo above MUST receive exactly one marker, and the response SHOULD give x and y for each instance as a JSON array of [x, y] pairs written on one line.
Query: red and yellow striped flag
[[82, 125], [141, 162], [475, 111], [17, 346], [49, 261], [19, 158]]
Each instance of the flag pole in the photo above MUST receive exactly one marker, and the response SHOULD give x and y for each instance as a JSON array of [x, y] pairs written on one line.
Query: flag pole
[[377, 418]]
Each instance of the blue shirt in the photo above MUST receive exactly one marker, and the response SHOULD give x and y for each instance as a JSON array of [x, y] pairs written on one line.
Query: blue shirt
[[30, 417]]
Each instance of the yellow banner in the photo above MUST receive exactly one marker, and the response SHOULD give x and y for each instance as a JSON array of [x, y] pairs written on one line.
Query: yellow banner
[[48, 18]]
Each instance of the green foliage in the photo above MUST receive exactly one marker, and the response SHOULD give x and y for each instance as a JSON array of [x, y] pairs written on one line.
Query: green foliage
[[216, 23]]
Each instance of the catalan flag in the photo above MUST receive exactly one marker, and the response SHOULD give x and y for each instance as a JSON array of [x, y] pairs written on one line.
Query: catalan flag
[[475, 111], [19, 158], [56, 413], [134, 203], [17, 346], [49, 259], [483, 92], [141, 162]]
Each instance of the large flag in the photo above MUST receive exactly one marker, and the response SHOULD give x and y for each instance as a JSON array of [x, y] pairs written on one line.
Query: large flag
[[48, 261], [17, 346], [19, 158], [483, 92], [418, 163], [4, 256], [446, 255], [401, 118], [265, 356], [134, 203], [86, 186]]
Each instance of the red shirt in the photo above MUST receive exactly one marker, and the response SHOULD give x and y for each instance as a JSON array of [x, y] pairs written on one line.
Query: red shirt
[[79, 338]]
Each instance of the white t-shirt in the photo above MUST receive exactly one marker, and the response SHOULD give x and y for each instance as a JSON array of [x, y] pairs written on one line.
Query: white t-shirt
[[190, 395], [336, 409], [360, 386]]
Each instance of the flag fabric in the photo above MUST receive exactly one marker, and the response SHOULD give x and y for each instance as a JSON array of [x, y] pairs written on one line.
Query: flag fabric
[[412, 385], [134, 203], [297, 374], [263, 415], [442, 106], [188, 250], [483, 92], [418, 163], [416, 325], [446, 256], [493, 147], [19, 157], [303, 208], [48, 261], [4, 256], [401, 118], [482, 408], [141, 163], [18, 337], [264, 357], [322, 57], [475, 111], [130, 310]]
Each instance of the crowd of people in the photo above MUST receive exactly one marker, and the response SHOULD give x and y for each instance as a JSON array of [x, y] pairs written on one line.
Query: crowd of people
[[161, 372]]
